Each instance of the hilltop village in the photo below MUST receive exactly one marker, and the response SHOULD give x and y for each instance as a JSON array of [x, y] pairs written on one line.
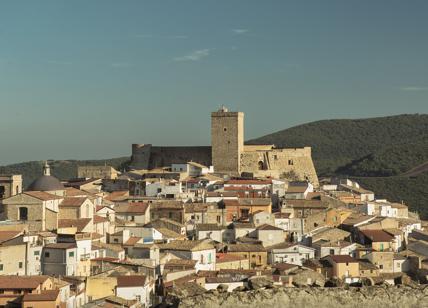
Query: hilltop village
[[186, 220]]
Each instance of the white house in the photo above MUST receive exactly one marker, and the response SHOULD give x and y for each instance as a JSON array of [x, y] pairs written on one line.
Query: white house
[[192, 168], [135, 288], [290, 253], [298, 190], [201, 251]]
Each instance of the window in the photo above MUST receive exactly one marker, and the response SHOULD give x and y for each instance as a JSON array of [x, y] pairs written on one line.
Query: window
[[261, 165], [116, 240], [225, 129], [16, 291], [37, 253], [138, 298], [23, 213], [47, 254], [1, 267], [71, 254], [1, 291], [380, 266], [2, 192], [20, 264], [331, 251], [218, 218], [347, 264], [275, 157], [290, 162], [132, 218], [16, 190]]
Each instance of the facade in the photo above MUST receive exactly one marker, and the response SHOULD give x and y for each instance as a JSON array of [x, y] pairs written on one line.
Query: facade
[[39, 210], [343, 267], [60, 259], [290, 253], [10, 185], [256, 254]]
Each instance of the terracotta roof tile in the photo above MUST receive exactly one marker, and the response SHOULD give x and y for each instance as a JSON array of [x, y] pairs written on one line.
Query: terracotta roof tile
[[80, 223], [130, 281], [21, 282], [73, 201], [44, 296], [41, 195]]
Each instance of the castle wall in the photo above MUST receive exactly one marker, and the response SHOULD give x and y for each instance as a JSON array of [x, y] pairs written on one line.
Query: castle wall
[[149, 157], [279, 161]]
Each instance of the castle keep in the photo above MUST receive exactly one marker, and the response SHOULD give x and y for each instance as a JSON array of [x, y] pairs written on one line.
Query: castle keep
[[229, 155]]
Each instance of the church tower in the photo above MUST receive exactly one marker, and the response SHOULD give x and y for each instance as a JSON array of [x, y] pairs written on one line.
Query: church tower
[[227, 141]]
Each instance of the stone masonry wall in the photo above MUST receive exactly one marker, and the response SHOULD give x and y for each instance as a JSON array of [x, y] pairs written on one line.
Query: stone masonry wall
[[149, 157], [373, 297], [279, 161]]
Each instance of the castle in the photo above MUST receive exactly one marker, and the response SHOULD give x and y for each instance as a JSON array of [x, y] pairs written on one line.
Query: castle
[[229, 155]]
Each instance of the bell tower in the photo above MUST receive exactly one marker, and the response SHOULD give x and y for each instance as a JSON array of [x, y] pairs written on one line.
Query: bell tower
[[227, 140]]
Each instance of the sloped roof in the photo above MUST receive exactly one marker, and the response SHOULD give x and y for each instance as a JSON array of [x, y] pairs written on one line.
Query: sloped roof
[[41, 195], [341, 258], [377, 235], [267, 227], [187, 245], [139, 208], [73, 201], [44, 296], [79, 223], [131, 281], [245, 248], [8, 235], [132, 241], [21, 282]]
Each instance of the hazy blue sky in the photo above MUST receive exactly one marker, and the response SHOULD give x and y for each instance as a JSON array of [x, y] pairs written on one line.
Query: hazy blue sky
[[85, 79]]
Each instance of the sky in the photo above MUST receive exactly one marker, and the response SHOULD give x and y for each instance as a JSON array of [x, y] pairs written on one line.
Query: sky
[[86, 79]]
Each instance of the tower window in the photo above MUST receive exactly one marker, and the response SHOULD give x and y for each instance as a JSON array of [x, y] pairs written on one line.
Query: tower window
[[225, 129], [290, 162]]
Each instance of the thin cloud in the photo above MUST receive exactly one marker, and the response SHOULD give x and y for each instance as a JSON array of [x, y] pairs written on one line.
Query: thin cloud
[[194, 55], [414, 89], [240, 31]]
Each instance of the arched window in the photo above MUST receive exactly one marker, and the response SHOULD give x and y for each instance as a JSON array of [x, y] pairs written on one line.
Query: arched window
[[23, 213], [261, 165], [17, 190]]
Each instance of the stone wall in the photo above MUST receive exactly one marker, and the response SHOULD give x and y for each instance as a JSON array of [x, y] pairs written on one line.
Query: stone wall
[[98, 172], [227, 141], [373, 297], [276, 162], [150, 157]]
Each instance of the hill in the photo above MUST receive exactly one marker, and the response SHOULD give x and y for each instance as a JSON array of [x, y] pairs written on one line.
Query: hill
[[367, 142], [388, 155], [62, 169]]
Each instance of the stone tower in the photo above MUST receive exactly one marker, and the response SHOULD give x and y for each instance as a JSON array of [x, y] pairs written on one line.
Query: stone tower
[[227, 141]]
